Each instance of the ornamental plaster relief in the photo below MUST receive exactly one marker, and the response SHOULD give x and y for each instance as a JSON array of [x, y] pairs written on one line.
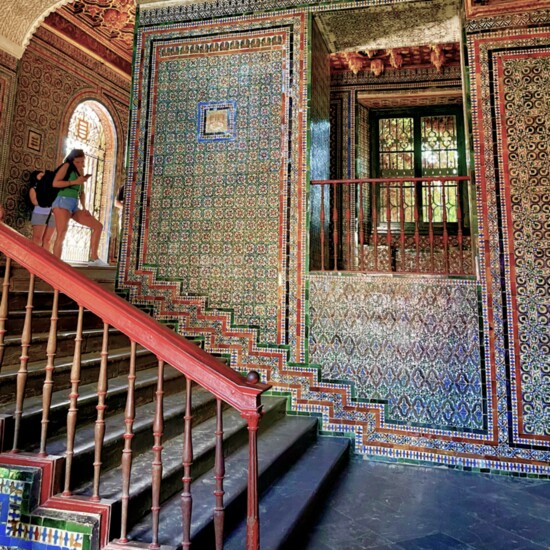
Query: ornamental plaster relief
[[20, 18]]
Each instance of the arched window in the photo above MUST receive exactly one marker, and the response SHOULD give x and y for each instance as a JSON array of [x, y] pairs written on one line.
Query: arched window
[[91, 128]]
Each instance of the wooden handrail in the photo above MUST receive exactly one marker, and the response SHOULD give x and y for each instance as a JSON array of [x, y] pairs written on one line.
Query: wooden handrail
[[390, 180], [195, 363]]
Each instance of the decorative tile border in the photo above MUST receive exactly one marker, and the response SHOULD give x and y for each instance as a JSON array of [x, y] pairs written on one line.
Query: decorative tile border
[[216, 121]]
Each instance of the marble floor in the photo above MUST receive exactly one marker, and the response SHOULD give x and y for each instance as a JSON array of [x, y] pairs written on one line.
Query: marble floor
[[389, 506]]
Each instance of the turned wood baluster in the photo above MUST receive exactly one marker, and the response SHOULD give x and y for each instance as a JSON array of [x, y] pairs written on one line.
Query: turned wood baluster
[[73, 402], [253, 511], [129, 417], [51, 349], [459, 223], [335, 228], [23, 364], [99, 428], [445, 232], [416, 232], [186, 497], [388, 225], [219, 474], [4, 308], [375, 224], [361, 229], [347, 210], [322, 221], [402, 224], [156, 471], [431, 226]]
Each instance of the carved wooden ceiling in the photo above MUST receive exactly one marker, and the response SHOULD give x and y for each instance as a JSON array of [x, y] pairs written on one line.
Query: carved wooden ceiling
[[379, 61], [104, 27]]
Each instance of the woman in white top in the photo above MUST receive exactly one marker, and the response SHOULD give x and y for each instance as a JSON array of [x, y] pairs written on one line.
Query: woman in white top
[[42, 219]]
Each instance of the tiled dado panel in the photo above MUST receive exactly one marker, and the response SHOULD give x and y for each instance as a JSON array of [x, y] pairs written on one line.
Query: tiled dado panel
[[221, 213], [412, 345], [523, 78]]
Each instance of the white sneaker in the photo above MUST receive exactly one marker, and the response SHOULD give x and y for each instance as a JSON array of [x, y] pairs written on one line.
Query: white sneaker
[[97, 263]]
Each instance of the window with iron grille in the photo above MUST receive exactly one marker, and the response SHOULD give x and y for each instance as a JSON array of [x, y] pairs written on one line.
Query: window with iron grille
[[418, 143]]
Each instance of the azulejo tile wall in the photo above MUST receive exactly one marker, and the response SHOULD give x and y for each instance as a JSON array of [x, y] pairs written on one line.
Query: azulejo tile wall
[[410, 344], [222, 216], [511, 108], [445, 400], [24, 526]]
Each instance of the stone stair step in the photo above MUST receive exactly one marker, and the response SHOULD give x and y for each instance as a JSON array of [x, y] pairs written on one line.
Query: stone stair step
[[278, 446], [104, 276], [174, 409], [118, 361], [42, 299], [145, 388], [41, 320], [92, 340], [235, 436], [287, 506]]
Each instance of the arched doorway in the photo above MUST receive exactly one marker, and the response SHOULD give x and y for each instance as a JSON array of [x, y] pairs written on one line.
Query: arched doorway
[[91, 128]]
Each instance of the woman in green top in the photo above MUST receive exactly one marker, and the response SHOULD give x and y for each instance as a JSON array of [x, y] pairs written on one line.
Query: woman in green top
[[70, 180]]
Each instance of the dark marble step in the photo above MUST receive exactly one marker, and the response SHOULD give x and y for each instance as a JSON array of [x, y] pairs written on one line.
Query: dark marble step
[[92, 340], [118, 362], [288, 505], [115, 400], [235, 436], [174, 409], [278, 448]]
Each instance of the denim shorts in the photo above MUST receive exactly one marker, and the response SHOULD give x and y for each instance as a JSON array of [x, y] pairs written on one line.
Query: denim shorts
[[40, 219], [68, 203]]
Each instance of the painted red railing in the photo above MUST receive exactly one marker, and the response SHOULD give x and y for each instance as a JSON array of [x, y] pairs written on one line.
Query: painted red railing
[[169, 348], [392, 225]]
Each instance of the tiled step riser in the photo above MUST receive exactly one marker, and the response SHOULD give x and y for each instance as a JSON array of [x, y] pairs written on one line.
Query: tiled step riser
[[41, 320], [140, 504], [64, 348], [89, 374], [87, 411]]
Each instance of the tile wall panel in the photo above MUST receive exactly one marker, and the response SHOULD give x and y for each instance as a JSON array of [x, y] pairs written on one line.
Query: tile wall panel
[[452, 404]]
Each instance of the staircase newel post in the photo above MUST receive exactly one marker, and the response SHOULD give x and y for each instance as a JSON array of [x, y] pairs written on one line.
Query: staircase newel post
[[219, 474], [253, 511]]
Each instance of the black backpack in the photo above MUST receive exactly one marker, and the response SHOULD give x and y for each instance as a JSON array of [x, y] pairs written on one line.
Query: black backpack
[[45, 191]]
